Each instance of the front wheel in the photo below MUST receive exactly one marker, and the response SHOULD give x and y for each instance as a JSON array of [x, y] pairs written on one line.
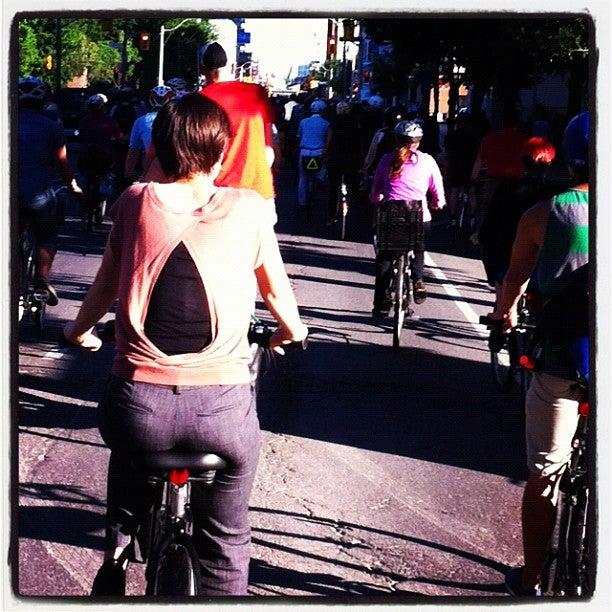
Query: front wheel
[[399, 305], [39, 317], [502, 367], [177, 571]]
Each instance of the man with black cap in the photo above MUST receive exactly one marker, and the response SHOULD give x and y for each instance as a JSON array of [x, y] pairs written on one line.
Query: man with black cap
[[250, 154]]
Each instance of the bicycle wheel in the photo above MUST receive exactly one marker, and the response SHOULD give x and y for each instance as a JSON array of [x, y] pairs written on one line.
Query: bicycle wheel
[[578, 575], [399, 307], [524, 382], [100, 211], [177, 570], [502, 367], [39, 317]]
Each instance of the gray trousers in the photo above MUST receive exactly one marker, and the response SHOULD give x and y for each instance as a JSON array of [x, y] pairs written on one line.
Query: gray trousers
[[138, 417]]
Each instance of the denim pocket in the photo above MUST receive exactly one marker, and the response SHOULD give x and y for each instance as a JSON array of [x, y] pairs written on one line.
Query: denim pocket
[[134, 397]]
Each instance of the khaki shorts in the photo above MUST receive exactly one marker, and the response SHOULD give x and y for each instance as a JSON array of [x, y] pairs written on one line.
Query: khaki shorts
[[551, 418]]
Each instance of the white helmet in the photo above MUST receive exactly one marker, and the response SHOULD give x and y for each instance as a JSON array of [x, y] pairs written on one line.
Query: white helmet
[[409, 128], [97, 101], [317, 106], [160, 95], [32, 88]]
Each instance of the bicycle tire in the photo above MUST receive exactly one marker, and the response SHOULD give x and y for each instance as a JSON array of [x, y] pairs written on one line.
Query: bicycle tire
[[343, 212], [177, 571], [100, 212], [398, 303], [39, 318], [502, 368], [524, 383], [578, 576]]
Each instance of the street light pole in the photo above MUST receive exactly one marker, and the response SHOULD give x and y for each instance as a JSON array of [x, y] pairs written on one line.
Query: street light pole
[[162, 42]]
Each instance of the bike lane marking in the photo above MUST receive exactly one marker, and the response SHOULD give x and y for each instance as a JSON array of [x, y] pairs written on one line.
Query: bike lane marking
[[457, 298]]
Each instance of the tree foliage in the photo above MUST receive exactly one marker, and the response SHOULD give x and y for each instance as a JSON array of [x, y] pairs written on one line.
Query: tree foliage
[[505, 54], [94, 47]]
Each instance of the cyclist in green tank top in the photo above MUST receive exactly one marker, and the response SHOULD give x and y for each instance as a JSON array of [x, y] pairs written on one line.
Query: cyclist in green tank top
[[552, 242]]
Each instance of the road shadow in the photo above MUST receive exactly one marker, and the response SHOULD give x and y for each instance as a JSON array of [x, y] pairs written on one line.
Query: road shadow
[[71, 526], [53, 402], [413, 403], [267, 577], [271, 577]]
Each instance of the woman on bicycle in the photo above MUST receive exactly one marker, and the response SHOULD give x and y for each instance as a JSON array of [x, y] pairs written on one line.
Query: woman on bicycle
[[410, 175], [183, 260]]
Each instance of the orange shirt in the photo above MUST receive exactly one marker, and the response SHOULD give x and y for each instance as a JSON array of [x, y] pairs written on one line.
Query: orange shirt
[[501, 150], [250, 114]]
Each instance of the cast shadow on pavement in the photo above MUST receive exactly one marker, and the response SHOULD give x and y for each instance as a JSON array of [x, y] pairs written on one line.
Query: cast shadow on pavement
[[72, 526], [266, 577], [415, 403], [283, 577]]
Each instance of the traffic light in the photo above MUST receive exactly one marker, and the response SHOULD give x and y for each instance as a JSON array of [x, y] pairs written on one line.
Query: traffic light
[[144, 41], [48, 62], [331, 40]]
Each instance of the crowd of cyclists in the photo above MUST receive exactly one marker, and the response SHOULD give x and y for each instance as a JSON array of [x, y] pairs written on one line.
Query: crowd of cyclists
[[193, 233]]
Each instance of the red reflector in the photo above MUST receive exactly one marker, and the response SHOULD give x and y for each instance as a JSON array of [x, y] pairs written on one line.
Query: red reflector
[[178, 477], [527, 362], [583, 408]]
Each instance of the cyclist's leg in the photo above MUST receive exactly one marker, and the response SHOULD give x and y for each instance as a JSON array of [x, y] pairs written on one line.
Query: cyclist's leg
[[224, 421], [384, 274], [335, 179], [132, 417], [551, 418], [44, 230], [453, 199], [417, 267], [301, 193]]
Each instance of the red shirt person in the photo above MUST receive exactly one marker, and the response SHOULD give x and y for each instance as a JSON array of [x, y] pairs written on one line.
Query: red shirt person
[[500, 153], [249, 156]]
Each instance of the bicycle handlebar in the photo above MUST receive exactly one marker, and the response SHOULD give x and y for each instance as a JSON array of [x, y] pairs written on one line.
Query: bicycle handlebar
[[496, 324], [260, 333], [105, 331]]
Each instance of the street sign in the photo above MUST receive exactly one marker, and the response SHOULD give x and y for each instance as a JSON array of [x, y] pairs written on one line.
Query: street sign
[[244, 38]]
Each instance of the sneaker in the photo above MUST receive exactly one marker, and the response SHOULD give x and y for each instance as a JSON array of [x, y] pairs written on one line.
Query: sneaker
[[380, 313], [420, 293], [42, 284], [514, 585], [110, 579]]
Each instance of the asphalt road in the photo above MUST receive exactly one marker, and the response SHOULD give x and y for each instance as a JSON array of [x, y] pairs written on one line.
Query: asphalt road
[[382, 475]]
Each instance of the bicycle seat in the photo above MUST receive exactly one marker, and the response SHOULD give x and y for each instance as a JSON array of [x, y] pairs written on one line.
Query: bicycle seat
[[166, 460]]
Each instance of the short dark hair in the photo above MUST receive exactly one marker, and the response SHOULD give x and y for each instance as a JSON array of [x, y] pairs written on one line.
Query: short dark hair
[[213, 56], [190, 135]]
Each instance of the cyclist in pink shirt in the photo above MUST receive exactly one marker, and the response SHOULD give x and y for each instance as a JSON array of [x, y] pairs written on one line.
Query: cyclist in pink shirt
[[411, 175]]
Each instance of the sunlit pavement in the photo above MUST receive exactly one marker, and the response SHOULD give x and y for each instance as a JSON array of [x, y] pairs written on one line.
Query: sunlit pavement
[[381, 474]]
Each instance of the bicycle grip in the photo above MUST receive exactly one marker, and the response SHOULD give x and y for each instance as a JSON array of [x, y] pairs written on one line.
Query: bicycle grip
[[106, 333], [491, 323]]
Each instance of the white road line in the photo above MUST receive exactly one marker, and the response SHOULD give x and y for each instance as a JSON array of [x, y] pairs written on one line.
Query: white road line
[[452, 291], [55, 353], [55, 397]]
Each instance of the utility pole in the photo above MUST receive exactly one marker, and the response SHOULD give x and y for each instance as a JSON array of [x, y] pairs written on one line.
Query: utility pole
[[58, 54]]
